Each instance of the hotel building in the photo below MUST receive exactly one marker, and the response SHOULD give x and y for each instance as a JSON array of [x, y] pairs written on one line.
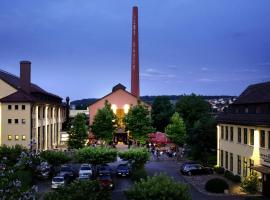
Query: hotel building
[[29, 115], [243, 135]]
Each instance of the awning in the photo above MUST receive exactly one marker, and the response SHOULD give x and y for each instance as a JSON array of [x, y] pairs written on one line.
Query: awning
[[261, 168]]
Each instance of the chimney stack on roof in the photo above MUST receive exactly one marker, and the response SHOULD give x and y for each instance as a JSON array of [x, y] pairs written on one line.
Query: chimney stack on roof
[[25, 76]]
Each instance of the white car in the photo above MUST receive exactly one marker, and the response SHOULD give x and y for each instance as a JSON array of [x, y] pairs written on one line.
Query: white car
[[85, 171], [58, 181]]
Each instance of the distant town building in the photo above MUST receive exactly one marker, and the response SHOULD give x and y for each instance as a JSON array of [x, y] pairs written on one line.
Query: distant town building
[[243, 135], [29, 115]]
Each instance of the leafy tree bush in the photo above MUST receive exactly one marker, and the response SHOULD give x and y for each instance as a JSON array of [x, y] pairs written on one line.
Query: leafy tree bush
[[104, 123], [78, 132], [216, 185], [176, 130], [138, 156], [138, 174], [83, 190], [11, 154], [138, 122], [96, 155], [161, 111], [219, 170], [54, 158], [158, 187], [251, 183], [229, 175]]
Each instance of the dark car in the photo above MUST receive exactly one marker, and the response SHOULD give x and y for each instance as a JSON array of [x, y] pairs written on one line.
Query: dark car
[[195, 169], [104, 169], [123, 170], [44, 171], [105, 181], [68, 173]]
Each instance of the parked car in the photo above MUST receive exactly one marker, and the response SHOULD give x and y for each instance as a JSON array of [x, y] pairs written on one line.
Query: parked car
[[195, 169], [68, 172], [105, 181], [104, 169], [44, 171], [85, 171], [58, 181], [123, 170]]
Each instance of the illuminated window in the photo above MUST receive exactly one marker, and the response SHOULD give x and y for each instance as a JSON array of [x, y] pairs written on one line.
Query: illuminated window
[[262, 138], [9, 137], [251, 138], [23, 137], [23, 121], [126, 108], [16, 137], [9, 107], [114, 108], [251, 164], [239, 135]]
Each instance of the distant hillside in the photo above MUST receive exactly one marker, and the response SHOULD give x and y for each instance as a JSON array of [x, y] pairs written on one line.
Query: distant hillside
[[83, 103]]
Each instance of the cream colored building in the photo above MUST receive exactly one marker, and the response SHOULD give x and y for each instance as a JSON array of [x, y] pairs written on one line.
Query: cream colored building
[[29, 115], [243, 135]]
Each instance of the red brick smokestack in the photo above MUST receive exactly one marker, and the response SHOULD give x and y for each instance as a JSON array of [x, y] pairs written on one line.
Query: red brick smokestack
[[135, 84], [25, 76]]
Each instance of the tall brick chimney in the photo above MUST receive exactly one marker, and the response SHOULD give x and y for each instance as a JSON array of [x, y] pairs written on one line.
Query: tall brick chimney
[[25, 76], [135, 82]]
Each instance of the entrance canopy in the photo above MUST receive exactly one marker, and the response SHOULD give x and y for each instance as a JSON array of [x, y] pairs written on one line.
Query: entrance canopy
[[261, 168], [159, 138]]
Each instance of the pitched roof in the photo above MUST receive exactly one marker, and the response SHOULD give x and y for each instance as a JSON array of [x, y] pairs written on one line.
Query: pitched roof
[[14, 81], [257, 93]]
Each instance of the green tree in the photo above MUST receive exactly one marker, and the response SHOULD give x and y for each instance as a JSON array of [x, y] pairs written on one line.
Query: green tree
[[158, 187], [203, 136], [162, 110], [55, 158], [11, 154], [78, 132], [138, 122], [251, 183], [176, 130], [83, 190], [104, 123], [96, 155]]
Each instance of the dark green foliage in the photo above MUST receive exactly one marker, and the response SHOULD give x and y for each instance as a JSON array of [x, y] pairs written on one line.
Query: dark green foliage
[[162, 110], [138, 122], [219, 170], [138, 174], [55, 158], [229, 175], [11, 153], [251, 184], [158, 187], [104, 123], [26, 177], [138, 156], [78, 132], [176, 130], [84, 190], [96, 155], [216, 185]]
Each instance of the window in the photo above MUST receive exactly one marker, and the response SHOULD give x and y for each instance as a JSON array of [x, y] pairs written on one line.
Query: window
[[9, 121], [262, 138], [23, 137], [16, 137], [239, 165], [231, 162], [245, 136], [231, 130], [16, 107], [227, 133], [268, 139], [9, 137], [226, 159], [23, 107], [16, 121], [43, 112], [251, 164], [239, 135], [222, 132], [245, 167], [251, 138], [23, 121], [9, 107], [221, 158]]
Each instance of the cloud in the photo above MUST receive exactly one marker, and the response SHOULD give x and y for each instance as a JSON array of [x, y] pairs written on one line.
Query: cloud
[[204, 69], [153, 74]]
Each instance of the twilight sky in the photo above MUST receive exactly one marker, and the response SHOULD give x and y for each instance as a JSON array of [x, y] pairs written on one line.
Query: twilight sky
[[82, 48]]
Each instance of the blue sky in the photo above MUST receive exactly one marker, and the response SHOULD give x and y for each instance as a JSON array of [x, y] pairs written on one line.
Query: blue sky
[[82, 48]]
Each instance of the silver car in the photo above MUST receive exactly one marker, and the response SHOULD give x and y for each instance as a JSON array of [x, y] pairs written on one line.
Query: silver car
[[58, 181]]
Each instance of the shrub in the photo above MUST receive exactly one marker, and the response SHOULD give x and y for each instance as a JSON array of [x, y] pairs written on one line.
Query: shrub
[[138, 174], [25, 177], [251, 184], [219, 170], [229, 175], [158, 187], [216, 185]]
